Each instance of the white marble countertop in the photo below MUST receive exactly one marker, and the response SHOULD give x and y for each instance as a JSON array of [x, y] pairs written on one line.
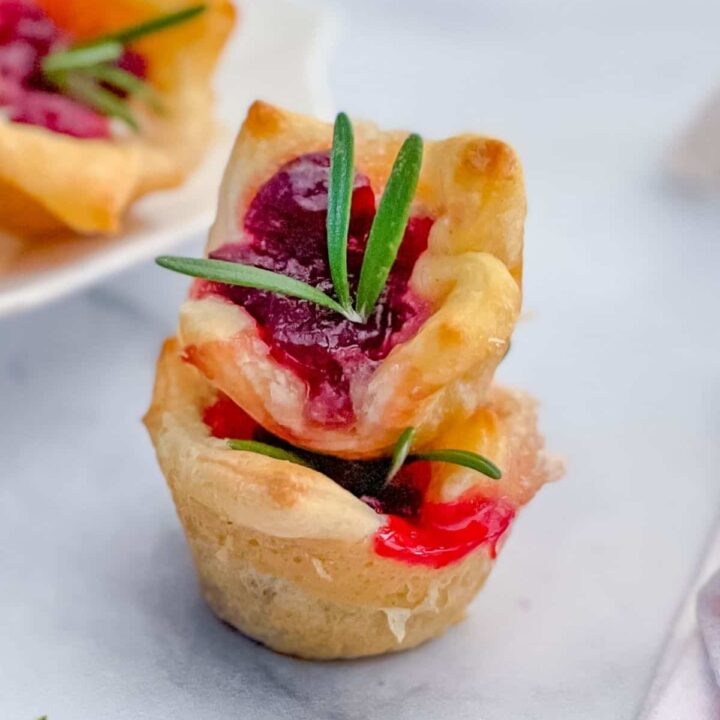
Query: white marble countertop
[[99, 613]]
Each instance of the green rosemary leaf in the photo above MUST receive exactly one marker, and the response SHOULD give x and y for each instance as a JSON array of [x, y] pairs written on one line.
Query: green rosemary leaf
[[400, 452], [262, 448], [79, 58], [122, 80], [135, 32], [90, 93], [388, 227], [342, 175], [248, 276], [465, 458]]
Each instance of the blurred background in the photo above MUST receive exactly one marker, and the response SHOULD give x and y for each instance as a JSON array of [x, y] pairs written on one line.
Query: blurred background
[[619, 340]]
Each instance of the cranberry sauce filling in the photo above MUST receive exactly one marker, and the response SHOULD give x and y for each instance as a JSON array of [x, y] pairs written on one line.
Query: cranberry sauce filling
[[417, 531], [285, 224], [27, 35], [443, 533]]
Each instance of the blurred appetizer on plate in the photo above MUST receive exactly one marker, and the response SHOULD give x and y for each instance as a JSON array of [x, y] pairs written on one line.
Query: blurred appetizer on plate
[[341, 462], [101, 103]]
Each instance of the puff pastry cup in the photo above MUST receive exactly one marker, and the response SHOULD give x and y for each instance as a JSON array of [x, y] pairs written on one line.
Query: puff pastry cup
[[469, 276], [338, 556], [50, 181], [287, 556]]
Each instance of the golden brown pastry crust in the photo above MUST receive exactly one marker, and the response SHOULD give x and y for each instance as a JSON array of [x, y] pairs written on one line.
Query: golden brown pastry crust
[[54, 181], [285, 554], [470, 276]]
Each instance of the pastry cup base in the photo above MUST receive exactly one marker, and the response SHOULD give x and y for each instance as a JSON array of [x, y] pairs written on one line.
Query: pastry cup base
[[241, 579], [287, 556]]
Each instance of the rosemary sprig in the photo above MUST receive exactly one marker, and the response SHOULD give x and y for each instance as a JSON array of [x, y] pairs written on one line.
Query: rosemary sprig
[[389, 224], [386, 234], [401, 455], [340, 187], [127, 82], [89, 92], [80, 69], [149, 27], [80, 58], [242, 275], [464, 458], [271, 451]]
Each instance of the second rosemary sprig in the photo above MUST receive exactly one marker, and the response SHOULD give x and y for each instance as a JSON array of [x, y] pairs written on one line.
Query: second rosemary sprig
[[402, 454], [89, 73], [388, 227]]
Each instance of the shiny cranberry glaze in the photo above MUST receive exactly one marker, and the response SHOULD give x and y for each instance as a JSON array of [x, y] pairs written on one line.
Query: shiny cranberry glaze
[[284, 229], [443, 533], [225, 419], [416, 531], [27, 35]]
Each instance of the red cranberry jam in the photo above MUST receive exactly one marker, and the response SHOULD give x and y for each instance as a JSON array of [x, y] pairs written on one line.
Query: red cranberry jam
[[285, 231], [416, 531], [443, 533], [27, 35]]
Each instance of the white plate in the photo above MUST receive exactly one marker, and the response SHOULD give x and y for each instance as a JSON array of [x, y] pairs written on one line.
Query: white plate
[[278, 53]]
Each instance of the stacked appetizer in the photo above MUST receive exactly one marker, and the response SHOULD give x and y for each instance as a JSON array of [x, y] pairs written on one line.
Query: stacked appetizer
[[342, 465], [101, 103]]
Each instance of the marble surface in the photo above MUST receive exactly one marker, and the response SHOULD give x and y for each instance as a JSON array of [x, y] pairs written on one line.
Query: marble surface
[[100, 615]]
